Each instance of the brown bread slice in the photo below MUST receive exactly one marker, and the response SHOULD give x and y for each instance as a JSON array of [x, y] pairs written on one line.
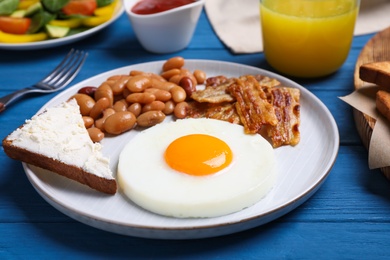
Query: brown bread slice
[[33, 143], [376, 72], [383, 103]]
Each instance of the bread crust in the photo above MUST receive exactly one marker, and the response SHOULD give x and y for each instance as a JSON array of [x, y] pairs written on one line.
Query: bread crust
[[383, 103], [108, 186], [376, 72]]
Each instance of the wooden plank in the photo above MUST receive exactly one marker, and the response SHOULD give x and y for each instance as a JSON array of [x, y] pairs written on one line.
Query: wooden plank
[[326, 240]]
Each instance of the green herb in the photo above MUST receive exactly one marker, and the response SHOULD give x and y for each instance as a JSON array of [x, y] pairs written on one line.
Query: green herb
[[8, 6], [39, 20], [54, 5]]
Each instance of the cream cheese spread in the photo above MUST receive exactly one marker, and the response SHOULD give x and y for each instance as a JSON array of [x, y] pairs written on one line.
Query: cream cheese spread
[[59, 133]]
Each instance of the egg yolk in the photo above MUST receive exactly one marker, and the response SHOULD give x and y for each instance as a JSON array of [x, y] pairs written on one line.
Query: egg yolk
[[198, 154]]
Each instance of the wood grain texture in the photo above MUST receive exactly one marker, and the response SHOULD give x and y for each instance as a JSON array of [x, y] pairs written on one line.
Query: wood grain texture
[[377, 49], [348, 218]]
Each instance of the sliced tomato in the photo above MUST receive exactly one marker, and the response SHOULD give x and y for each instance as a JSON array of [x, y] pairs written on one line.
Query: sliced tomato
[[80, 7], [14, 25]]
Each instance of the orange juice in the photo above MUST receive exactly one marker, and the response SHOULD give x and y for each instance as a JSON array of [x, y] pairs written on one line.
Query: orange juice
[[307, 38]]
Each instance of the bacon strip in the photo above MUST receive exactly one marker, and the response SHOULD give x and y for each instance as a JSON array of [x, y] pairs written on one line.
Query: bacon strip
[[259, 103], [226, 111], [215, 94], [287, 109], [264, 81], [252, 105]]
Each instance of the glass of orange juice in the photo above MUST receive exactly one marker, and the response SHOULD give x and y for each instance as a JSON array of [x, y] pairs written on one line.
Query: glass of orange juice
[[307, 38]]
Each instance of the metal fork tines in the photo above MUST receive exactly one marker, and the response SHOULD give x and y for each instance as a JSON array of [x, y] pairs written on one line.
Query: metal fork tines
[[56, 80], [64, 73]]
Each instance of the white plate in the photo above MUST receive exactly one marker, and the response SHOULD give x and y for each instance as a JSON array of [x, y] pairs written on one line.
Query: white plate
[[62, 41], [302, 169]]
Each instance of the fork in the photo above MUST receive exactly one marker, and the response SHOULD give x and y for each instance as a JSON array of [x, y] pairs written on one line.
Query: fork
[[58, 79]]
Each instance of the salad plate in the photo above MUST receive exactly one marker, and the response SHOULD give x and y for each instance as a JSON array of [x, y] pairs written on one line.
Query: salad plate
[[119, 10], [302, 170]]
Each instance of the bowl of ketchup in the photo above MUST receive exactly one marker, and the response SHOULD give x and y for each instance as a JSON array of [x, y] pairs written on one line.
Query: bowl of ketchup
[[163, 26]]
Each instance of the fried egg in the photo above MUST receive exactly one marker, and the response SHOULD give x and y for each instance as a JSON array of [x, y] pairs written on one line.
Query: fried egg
[[196, 168]]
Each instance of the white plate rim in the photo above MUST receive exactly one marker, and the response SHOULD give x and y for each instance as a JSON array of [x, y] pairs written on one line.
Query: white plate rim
[[191, 232], [66, 40]]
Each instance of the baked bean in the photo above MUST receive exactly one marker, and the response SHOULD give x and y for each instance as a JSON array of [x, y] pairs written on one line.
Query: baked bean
[[178, 94], [146, 74], [138, 83], [187, 73], [142, 98], [104, 90], [173, 63], [136, 72], [110, 82], [155, 105], [180, 110], [170, 73], [187, 85], [161, 95], [88, 121], [169, 107], [95, 134], [106, 113], [175, 79], [99, 107], [164, 85], [120, 105], [90, 91], [183, 73], [119, 85], [150, 118], [85, 102], [135, 108], [156, 77], [200, 76], [119, 122], [114, 77]]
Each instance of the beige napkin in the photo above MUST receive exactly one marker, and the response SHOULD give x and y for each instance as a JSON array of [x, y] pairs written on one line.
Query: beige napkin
[[237, 23], [374, 16], [363, 100]]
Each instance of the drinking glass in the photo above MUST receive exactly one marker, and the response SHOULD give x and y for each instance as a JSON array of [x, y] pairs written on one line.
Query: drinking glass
[[307, 38]]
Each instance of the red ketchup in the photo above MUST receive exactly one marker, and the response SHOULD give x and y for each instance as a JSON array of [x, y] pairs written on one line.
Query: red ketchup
[[158, 6]]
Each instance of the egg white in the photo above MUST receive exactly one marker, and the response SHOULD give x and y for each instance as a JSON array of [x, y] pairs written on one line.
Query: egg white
[[148, 181]]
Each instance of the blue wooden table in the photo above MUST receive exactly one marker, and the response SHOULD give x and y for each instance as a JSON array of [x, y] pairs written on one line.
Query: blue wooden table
[[349, 217]]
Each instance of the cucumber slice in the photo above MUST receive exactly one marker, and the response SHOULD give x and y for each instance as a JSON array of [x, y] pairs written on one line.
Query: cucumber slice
[[18, 14], [56, 31]]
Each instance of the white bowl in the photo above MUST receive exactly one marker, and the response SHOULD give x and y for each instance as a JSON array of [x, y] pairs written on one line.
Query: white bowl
[[168, 31]]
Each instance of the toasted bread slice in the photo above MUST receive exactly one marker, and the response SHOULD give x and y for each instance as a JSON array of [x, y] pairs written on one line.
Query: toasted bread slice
[[57, 140], [376, 72], [383, 103]]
